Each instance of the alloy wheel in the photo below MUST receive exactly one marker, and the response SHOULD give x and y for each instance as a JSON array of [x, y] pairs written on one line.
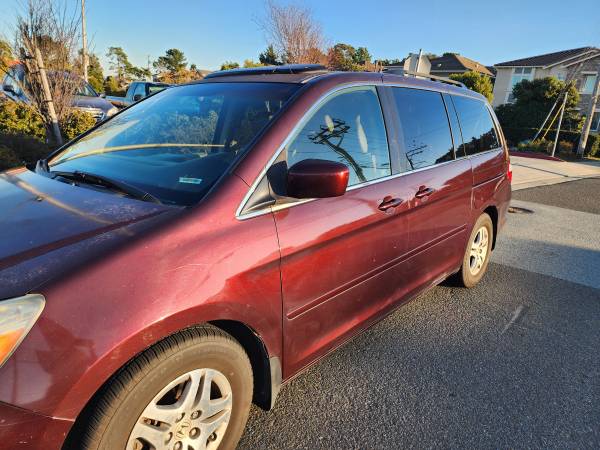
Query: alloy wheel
[[190, 413], [479, 250]]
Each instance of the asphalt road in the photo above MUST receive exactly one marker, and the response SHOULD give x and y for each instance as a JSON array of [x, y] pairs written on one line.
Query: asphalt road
[[512, 363]]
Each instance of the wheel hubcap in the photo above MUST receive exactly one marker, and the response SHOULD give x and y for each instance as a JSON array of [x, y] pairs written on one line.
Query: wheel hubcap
[[479, 251], [191, 412]]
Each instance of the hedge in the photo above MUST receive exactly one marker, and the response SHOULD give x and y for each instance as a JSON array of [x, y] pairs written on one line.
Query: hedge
[[516, 135], [23, 133]]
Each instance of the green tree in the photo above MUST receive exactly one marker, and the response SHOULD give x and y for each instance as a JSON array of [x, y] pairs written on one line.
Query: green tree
[[95, 73], [173, 61], [476, 82], [362, 56], [345, 57], [533, 100], [389, 62], [229, 65], [111, 86], [269, 57], [119, 62], [140, 72], [248, 63], [342, 57]]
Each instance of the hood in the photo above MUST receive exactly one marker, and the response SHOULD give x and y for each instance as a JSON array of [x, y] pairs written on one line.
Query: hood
[[48, 226], [92, 102]]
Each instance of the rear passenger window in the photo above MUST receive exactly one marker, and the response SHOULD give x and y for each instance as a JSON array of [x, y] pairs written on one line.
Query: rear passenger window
[[478, 132], [349, 129], [424, 127]]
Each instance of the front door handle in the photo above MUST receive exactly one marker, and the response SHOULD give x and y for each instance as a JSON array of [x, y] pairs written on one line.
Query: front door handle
[[424, 191], [389, 202]]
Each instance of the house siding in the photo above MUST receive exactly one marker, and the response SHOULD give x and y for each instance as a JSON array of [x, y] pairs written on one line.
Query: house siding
[[504, 75]]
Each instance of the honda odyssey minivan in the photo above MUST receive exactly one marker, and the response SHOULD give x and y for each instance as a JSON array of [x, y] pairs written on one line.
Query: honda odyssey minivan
[[186, 257]]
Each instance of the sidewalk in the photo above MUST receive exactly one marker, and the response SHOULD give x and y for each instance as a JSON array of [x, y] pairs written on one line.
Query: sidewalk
[[530, 172]]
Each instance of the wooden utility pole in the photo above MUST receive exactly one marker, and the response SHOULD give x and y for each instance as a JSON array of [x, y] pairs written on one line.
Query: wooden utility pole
[[585, 132], [47, 96], [85, 59], [562, 112]]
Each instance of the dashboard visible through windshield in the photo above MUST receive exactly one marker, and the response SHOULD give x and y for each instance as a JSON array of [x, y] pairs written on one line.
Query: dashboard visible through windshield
[[177, 143]]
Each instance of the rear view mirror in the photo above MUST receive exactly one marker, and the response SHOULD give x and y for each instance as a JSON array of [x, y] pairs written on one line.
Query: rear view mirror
[[317, 178]]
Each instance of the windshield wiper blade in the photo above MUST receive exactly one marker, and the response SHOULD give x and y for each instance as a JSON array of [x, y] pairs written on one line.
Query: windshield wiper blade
[[101, 180]]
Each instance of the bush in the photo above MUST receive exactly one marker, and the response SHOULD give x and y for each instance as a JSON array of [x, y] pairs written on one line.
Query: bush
[[23, 133], [75, 123], [565, 147], [516, 136], [19, 118], [17, 150], [476, 82]]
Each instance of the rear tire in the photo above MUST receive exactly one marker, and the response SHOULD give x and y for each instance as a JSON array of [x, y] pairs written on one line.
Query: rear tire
[[192, 389], [478, 252]]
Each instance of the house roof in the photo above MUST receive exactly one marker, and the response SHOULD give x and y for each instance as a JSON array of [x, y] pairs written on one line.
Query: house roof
[[549, 59], [454, 62]]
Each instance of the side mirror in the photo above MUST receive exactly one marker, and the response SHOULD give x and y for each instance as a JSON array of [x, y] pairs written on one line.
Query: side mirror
[[9, 88], [317, 178], [137, 97], [102, 95]]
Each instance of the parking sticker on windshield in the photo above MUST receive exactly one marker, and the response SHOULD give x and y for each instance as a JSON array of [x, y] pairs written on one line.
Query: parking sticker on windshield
[[189, 180]]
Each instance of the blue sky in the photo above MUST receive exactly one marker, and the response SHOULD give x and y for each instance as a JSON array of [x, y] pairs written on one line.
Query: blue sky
[[210, 32]]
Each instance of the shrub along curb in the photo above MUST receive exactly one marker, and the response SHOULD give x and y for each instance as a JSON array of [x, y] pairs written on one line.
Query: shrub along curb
[[536, 155]]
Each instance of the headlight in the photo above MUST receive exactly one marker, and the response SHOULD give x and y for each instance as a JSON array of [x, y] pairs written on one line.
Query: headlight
[[17, 316], [112, 111]]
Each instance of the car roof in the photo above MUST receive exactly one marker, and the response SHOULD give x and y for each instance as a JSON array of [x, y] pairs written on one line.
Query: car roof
[[315, 73]]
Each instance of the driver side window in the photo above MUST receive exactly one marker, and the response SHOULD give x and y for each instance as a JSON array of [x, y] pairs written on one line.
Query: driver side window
[[348, 128]]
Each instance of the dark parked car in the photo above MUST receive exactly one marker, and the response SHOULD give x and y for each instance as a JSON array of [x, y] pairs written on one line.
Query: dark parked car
[[85, 99], [186, 257], [137, 91]]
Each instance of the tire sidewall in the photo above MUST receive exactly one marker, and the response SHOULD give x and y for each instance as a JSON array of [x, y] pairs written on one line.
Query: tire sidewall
[[214, 355], [468, 279]]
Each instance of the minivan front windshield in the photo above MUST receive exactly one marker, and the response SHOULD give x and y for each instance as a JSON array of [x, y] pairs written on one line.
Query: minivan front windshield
[[177, 143]]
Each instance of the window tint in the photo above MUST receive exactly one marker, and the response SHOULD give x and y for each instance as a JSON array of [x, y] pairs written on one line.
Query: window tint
[[425, 132], [349, 129], [479, 134]]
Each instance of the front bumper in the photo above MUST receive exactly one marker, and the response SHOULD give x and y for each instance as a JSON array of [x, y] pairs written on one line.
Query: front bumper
[[22, 429]]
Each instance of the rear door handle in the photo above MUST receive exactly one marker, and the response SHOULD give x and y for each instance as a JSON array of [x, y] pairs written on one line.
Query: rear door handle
[[424, 191], [389, 202]]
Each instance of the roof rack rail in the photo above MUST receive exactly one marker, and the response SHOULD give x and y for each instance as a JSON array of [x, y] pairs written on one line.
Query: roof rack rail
[[434, 78], [268, 70]]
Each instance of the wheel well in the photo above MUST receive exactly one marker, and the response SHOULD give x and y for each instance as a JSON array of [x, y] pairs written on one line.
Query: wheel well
[[493, 213], [259, 359]]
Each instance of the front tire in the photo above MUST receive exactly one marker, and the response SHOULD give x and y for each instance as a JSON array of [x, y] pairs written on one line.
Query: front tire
[[478, 252], [190, 391]]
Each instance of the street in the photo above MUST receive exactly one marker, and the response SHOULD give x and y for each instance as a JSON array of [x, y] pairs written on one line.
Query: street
[[512, 363]]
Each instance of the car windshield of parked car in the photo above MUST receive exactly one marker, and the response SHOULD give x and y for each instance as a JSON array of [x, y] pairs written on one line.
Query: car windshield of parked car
[[153, 89], [177, 143], [85, 90]]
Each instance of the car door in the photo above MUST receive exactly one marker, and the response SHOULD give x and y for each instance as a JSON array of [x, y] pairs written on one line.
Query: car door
[[340, 257], [439, 183]]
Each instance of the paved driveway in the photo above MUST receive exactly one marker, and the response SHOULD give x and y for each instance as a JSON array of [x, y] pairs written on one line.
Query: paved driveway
[[512, 363]]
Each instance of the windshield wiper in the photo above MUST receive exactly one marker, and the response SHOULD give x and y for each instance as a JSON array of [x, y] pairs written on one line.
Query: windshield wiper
[[101, 180]]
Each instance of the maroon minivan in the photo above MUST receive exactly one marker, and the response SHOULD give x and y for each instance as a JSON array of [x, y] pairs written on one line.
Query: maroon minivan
[[186, 257]]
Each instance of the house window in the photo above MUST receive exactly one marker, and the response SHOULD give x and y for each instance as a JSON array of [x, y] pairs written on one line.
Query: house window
[[588, 83], [519, 74]]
